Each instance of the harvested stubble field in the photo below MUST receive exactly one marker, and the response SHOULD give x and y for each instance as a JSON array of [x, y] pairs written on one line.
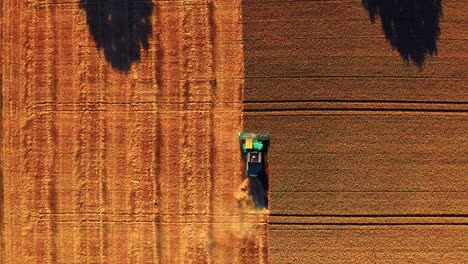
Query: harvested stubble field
[[132, 164], [369, 154]]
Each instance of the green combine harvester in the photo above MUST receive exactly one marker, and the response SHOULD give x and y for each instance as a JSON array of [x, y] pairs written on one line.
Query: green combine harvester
[[254, 147]]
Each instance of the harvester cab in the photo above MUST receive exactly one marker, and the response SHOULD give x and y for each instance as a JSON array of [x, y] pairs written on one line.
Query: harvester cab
[[254, 147]]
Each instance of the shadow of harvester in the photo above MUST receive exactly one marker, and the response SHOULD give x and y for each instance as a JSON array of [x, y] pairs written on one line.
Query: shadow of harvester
[[259, 186], [120, 28], [258, 189]]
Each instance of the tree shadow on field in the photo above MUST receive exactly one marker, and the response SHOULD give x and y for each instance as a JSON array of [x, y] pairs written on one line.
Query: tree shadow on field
[[411, 26], [120, 28]]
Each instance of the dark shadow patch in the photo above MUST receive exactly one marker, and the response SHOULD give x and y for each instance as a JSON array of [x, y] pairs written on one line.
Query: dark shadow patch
[[120, 28], [258, 186], [411, 27], [258, 189]]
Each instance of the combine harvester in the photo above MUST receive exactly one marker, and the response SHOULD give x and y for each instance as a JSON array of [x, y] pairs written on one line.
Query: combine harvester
[[254, 148]]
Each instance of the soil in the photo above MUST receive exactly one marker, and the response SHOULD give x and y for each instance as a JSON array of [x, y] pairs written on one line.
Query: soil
[[118, 163]]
